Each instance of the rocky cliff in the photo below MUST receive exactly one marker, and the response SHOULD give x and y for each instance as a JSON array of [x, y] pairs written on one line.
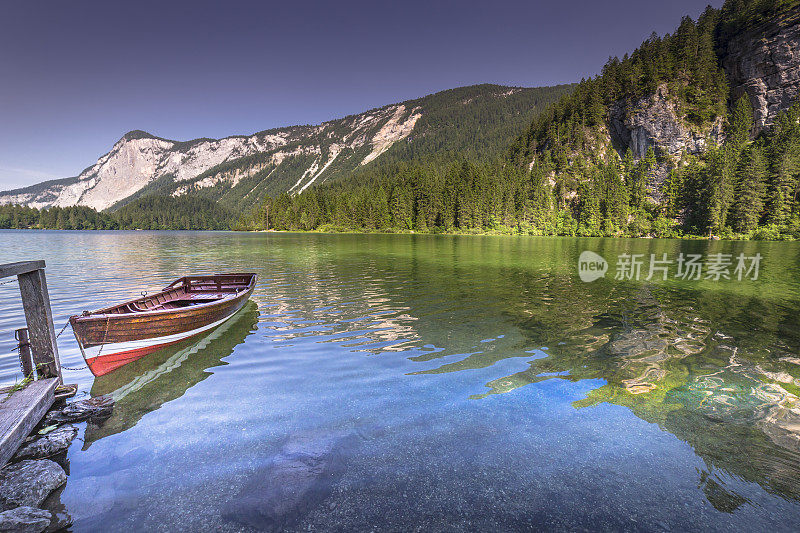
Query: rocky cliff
[[656, 120], [764, 63]]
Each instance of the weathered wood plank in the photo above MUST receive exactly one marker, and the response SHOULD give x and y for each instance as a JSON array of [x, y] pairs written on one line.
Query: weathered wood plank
[[21, 267], [39, 316], [21, 411]]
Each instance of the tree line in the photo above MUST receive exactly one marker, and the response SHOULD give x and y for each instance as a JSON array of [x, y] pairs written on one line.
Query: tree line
[[151, 212], [742, 188]]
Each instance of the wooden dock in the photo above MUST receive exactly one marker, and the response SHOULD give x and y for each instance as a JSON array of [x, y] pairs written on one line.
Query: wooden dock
[[21, 410]]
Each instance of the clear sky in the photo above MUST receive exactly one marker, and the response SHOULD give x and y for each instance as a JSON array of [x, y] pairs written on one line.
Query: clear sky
[[75, 76]]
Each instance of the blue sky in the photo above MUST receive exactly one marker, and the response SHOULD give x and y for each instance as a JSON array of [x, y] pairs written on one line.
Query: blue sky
[[77, 75]]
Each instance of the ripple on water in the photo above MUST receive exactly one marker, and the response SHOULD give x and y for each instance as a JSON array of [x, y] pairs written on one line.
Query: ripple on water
[[487, 387]]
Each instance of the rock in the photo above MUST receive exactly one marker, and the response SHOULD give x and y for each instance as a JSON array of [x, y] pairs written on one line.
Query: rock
[[291, 484], [24, 520], [764, 64], [43, 446], [654, 120], [98, 408], [59, 521], [29, 482]]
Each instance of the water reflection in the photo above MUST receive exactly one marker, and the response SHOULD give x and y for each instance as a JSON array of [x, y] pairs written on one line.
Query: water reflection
[[737, 408], [147, 383], [716, 368], [506, 393]]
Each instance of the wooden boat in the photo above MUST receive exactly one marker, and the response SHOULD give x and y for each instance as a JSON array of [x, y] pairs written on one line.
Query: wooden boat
[[114, 336]]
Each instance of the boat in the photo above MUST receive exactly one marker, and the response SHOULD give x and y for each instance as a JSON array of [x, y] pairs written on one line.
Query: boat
[[115, 336]]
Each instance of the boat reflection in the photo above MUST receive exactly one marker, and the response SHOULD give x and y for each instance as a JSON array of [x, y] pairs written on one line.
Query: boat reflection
[[146, 384]]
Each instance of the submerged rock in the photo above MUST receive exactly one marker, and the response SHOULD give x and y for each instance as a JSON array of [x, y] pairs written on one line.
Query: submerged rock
[[291, 484], [24, 520], [98, 408], [48, 445], [58, 522], [29, 482]]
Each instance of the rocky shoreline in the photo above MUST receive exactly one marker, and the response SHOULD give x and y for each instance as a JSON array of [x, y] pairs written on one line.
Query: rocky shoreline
[[37, 468]]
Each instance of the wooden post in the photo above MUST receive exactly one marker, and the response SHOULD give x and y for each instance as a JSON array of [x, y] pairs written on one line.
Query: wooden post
[[25, 355], [39, 316]]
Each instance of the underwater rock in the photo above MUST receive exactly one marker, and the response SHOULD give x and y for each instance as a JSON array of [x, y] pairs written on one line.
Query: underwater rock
[[48, 445], [58, 522], [29, 482], [634, 343], [98, 408], [782, 425], [24, 519], [94, 495], [292, 483]]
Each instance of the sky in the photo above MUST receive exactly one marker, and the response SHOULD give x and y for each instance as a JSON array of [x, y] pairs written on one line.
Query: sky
[[75, 76]]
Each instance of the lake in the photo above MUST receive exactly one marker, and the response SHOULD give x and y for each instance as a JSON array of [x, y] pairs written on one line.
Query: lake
[[405, 382]]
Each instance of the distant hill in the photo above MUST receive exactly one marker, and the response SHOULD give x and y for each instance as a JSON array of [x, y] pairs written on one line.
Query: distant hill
[[239, 171]]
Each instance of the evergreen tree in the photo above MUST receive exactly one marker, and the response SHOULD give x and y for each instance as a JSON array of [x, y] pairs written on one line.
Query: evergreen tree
[[750, 189]]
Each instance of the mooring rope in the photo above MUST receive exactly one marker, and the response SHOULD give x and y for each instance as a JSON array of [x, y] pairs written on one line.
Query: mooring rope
[[62, 329], [74, 368]]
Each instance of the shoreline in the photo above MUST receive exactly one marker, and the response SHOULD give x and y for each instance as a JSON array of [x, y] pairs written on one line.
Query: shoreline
[[411, 232]]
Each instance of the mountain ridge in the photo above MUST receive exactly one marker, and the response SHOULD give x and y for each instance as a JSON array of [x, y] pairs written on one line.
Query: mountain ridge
[[239, 170]]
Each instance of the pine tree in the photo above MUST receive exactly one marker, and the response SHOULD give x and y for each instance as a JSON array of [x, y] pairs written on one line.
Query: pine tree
[[750, 189]]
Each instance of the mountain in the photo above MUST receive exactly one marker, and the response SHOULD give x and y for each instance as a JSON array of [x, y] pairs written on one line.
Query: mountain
[[693, 132], [239, 171], [681, 129], [671, 94]]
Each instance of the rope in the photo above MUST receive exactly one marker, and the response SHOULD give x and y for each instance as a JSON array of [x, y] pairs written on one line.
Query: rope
[[75, 368], [70, 368], [62, 329], [7, 281], [105, 336]]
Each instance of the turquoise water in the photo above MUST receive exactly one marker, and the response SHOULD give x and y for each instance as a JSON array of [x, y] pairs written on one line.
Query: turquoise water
[[433, 382]]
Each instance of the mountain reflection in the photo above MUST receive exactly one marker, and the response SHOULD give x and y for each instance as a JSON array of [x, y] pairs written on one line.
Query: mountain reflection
[[716, 365], [696, 365], [733, 401]]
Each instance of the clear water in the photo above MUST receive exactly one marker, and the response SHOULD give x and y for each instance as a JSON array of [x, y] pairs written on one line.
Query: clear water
[[441, 383]]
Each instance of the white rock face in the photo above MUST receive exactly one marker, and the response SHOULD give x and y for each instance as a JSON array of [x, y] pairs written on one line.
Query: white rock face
[[139, 159], [395, 129]]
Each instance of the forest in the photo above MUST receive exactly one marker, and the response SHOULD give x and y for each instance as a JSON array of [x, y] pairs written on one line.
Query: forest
[[150, 213], [564, 176]]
